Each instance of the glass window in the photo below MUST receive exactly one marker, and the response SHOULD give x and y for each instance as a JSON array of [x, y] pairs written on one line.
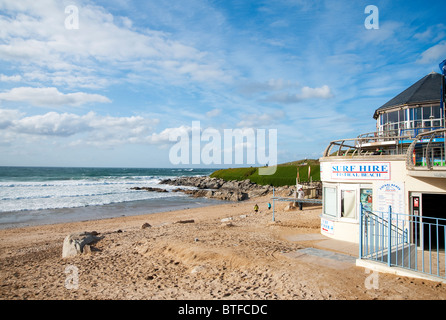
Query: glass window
[[436, 112], [393, 117], [411, 114], [401, 115], [417, 113], [348, 204], [330, 201], [426, 112]]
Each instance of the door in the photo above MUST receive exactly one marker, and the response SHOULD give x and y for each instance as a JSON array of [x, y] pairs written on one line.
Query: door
[[415, 210]]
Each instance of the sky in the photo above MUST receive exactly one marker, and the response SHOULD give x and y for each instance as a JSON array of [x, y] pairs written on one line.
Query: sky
[[108, 83]]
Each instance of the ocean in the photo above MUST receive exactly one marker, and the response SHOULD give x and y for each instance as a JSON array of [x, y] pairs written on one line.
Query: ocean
[[43, 195]]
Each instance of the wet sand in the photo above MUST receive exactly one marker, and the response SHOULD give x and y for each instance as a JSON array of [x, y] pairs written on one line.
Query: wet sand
[[243, 258]]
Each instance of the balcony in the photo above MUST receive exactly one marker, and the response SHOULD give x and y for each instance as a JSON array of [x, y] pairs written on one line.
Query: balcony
[[423, 152], [425, 156]]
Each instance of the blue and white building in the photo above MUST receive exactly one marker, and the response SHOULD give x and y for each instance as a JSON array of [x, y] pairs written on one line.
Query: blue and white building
[[396, 174]]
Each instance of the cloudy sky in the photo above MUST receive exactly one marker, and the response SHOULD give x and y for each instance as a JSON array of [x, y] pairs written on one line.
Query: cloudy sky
[[106, 82]]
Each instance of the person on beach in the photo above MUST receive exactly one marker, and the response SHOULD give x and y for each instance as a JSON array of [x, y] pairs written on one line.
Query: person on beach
[[256, 208], [269, 206], [300, 195]]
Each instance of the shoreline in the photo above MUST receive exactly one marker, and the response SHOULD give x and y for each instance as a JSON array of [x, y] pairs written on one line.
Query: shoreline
[[29, 218], [188, 192], [225, 252]]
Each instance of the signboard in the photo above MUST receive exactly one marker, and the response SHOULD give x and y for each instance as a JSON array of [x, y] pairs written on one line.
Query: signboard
[[390, 194], [327, 226], [360, 170]]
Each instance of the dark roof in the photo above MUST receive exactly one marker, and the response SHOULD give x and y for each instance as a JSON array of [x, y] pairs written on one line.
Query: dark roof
[[424, 90]]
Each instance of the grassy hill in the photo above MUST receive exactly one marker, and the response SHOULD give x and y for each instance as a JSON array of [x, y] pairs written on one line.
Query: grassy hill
[[285, 174]]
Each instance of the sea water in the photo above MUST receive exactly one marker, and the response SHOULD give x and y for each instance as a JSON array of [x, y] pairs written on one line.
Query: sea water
[[41, 195]]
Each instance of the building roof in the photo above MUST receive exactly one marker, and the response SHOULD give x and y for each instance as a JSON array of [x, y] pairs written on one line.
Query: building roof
[[427, 89]]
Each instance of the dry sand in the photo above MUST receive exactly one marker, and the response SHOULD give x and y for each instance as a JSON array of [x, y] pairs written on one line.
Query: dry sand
[[243, 259]]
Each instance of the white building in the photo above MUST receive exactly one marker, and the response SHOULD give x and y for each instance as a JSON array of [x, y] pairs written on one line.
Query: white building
[[401, 165]]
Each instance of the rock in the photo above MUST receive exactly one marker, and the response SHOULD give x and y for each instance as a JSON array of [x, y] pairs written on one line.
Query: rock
[[197, 269], [146, 225], [185, 221], [291, 206], [227, 224], [74, 243], [149, 189]]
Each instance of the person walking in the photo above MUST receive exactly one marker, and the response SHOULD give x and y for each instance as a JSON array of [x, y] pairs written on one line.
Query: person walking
[[256, 208], [300, 195], [269, 206]]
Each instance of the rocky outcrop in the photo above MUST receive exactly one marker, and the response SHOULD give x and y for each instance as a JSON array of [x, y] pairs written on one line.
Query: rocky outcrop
[[218, 188], [214, 188]]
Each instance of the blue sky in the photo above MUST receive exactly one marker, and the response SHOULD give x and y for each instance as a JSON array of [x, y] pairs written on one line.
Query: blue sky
[[110, 91]]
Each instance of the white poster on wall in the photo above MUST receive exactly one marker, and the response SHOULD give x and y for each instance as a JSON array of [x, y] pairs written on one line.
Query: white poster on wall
[[390, 194], [327, 226]]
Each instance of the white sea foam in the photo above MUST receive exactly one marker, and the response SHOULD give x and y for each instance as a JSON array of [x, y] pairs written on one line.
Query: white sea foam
[[38, 195]]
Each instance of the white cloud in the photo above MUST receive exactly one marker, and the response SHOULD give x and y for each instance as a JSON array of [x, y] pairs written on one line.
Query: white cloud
[[433, 33], [35, 37], [14, 78], [7, 116], [268, 86], [50, 97], [434, 54], [91, 128], [164, 136], [213, 113], [260, 120], [323, 92]]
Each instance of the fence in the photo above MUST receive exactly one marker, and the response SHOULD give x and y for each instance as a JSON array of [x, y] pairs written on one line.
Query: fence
[[412, 242]]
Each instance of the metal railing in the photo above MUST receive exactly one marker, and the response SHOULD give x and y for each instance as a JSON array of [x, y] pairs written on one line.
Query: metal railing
[[412, 242], [427, 150], [363, 146]]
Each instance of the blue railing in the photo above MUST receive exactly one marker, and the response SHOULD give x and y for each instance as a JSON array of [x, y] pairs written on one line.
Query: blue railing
[[412, 242]]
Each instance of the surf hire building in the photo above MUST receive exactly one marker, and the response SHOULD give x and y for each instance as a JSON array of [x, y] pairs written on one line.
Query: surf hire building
[[386, 190]]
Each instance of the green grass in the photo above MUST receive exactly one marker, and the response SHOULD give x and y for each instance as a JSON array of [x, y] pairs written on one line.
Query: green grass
[[285, 174]]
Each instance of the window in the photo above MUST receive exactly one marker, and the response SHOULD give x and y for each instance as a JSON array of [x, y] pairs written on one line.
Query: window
[[426, 113], [393, 117], [330, 201], [401, 114], [417, 113], [436, 112], [348, 204]]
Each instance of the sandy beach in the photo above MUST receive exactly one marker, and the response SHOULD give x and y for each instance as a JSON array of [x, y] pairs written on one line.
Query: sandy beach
[[192, 254]]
